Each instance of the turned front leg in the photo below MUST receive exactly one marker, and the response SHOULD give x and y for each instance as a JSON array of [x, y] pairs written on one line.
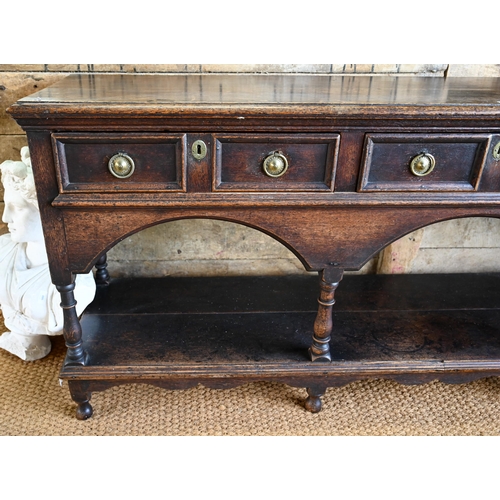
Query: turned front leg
[[72, 329], [329, 281]]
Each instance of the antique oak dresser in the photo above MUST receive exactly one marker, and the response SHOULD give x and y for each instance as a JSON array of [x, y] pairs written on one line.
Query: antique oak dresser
[[333, 167]]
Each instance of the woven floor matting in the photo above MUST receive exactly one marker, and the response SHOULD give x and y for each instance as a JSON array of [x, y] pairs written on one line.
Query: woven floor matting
[[33, 403]]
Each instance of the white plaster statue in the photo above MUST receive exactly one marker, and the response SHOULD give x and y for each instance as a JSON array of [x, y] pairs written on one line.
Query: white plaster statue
[[29, 301]]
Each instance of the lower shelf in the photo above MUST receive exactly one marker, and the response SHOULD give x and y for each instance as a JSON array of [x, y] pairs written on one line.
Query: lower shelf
[[221, 332]]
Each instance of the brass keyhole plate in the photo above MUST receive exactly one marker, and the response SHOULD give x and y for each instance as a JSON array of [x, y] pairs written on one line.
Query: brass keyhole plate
[[496, 151], [199, 150]]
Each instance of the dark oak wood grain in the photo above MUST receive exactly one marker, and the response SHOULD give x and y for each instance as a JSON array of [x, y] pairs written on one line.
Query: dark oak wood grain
[[239, 160], [83, 162], [459, 162], [244, 90], [348, 192], [227, 331], [348, 235], [330, 278]]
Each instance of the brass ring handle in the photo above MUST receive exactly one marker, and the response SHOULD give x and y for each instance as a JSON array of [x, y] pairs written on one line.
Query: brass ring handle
[[422, 164], [121, 165], [275, 164]]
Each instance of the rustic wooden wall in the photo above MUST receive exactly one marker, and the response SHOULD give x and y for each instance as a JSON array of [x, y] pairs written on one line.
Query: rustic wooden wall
[[204, 247]]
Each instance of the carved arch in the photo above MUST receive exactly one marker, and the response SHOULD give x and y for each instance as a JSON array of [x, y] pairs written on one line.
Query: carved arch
[[407, 231], [229, 226], [347, 236]]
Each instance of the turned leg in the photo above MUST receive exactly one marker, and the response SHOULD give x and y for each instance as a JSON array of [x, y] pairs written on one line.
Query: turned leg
[[72, 329], [313, 402], [102, 276], [329, 281], [81, 395]]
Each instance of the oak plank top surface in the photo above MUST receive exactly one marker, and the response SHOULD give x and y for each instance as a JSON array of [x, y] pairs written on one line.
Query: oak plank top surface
[[310, 94]]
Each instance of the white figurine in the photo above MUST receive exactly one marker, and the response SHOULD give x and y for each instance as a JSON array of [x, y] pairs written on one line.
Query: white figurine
[[29, 301]]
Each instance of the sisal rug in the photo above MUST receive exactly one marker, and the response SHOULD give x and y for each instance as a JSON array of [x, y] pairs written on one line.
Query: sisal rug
[[32, 403]]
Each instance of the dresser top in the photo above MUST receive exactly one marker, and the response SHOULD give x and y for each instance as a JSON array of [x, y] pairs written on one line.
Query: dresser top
[[269, 89], [109, 94]]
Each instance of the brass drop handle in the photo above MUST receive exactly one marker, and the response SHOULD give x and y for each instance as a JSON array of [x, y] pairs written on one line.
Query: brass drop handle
[[121, 165], [275, 164], [422, 164]]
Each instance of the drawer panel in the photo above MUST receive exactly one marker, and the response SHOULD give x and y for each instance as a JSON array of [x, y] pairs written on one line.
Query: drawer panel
[[158, 160], [239, 162], [454, 162]]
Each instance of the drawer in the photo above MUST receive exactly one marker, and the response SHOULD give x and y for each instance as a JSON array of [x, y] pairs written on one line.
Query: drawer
[[423, 162], [271, 162], [145, 162]]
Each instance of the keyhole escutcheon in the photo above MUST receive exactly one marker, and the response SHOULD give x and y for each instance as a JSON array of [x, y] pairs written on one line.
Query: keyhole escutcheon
[[199, 150], [496, 151]]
